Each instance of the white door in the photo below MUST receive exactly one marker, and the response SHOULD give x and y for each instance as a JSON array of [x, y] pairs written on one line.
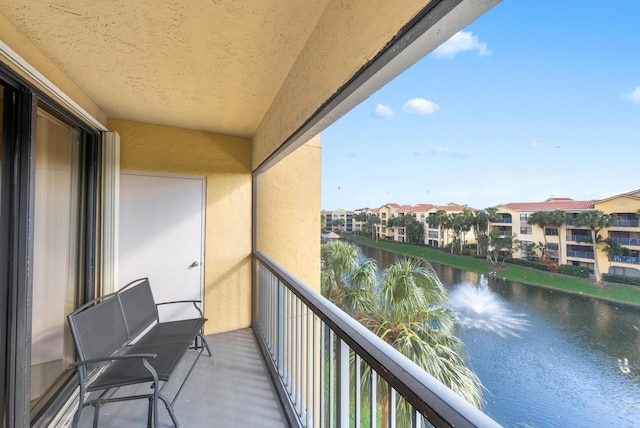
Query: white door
[[161, 237]]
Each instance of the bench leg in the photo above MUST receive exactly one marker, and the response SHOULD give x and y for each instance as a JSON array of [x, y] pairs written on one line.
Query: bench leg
[[150, 413], [203, 343], [96, 415], [76, 416], [169, 407]]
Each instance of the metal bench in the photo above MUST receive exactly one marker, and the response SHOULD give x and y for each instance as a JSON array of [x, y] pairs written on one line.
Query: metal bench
[[120, 341]]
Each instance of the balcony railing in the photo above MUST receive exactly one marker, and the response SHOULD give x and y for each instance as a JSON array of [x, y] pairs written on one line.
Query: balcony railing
[[625, 259], [580, 238], [580, 254], [626, 241], [321, 358], [624, 223]]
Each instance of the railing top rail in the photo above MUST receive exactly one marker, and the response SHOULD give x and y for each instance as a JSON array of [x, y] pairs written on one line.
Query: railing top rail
[[426, 394]]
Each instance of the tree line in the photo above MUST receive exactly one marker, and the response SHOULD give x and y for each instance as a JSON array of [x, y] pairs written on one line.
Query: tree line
[[493, 242]]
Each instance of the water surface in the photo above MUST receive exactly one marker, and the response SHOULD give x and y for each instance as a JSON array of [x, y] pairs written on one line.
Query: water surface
[[547, 358]]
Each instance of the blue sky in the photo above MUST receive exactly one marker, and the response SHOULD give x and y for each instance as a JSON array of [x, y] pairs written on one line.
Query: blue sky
[[535, 99]]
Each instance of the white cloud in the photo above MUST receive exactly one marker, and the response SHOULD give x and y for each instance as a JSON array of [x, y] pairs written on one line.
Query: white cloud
[[462, 41], [420, 106], [445, 151], [383, 111], [634, 96]]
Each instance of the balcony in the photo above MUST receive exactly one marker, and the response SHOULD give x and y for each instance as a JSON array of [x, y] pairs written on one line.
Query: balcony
[[625, 259], [624, 223], [299, 339], [626, 241], [581, 254], [579, 238]]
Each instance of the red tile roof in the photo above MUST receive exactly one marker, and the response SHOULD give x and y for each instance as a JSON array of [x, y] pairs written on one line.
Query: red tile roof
[[566, 204]]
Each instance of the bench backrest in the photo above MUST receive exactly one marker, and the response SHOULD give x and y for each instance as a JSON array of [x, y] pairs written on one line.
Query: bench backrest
[[98, 328], [138, 305]]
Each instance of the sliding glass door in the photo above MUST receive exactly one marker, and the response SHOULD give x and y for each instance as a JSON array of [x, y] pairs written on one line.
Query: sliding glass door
[[48, 191], [57, 244]]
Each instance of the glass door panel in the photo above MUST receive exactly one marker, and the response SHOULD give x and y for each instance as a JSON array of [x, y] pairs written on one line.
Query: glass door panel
[[56, 251]]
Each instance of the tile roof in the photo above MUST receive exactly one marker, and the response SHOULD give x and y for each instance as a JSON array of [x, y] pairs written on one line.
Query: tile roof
[[566, 204], [633, 194]]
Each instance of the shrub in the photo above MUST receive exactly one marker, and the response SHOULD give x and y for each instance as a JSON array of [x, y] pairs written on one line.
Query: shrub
[[579, 271], [551, 266], [621, 279]]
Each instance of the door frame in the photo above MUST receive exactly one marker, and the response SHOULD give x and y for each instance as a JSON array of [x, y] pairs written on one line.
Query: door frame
[[203, 202]]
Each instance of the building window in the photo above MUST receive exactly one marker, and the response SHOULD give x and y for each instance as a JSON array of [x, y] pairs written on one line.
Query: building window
[[56, 250], [524, 217], [552, 246], [526, 230], [551, 231]]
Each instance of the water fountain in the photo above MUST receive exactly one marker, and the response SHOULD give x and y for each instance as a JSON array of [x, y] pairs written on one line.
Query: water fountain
[[478, 307]]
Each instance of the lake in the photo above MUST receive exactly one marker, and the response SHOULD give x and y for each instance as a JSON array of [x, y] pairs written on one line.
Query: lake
[[547, 358]]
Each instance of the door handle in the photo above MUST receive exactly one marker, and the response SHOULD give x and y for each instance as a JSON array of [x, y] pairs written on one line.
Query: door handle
[[194, 264]]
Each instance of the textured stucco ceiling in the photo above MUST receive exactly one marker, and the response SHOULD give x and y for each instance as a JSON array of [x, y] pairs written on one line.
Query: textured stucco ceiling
[[202, 64]]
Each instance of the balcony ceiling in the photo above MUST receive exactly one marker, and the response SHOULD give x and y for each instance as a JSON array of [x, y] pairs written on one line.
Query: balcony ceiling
[[210, 65]]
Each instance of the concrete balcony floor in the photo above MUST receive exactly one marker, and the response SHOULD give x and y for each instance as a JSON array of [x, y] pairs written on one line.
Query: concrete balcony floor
[[230, 389]]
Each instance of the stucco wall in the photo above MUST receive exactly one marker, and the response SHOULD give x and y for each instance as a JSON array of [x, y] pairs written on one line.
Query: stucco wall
[[225, 162], [288, 213]]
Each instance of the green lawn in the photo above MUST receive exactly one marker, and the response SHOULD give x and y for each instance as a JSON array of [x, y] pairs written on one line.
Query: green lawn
[[616, 292]]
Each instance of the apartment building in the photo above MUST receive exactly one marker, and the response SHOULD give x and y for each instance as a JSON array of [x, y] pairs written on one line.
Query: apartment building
[[434, 235], [569, 244], [624, 210], [563, 243]]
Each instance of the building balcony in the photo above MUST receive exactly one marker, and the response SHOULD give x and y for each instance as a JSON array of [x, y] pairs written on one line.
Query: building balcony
[[579, 238], [626, 241], [625, 259], [624, 223], [581, 254], [296, 368]]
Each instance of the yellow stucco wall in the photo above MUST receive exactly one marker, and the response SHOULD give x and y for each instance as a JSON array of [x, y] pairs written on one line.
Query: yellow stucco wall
[[288, 213], [225, 162]]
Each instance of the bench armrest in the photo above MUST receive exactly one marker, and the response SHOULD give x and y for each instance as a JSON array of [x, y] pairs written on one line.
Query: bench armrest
[[195, 304], [112, 358], [179, 301]]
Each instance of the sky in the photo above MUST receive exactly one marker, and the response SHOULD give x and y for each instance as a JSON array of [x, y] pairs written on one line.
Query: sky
[[535, 99]]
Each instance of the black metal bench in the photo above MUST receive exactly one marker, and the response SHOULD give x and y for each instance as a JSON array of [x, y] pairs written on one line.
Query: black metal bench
[[120, 341]]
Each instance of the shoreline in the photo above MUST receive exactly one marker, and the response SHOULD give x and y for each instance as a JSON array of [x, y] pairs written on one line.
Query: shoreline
[[615, 293]]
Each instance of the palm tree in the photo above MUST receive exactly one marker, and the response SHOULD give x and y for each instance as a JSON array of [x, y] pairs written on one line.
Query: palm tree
[[441, 218], [595, 220], [540, 219], [372, 220], [479, 224], [558, 218], [347, 277], [408, 313], [339, 223]]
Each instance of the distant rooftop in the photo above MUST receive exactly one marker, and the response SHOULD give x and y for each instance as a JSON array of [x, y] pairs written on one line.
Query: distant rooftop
[[566, 204]]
